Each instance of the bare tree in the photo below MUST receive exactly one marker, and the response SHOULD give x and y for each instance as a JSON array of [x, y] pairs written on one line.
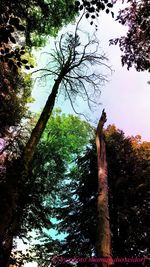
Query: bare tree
[[71, 66]]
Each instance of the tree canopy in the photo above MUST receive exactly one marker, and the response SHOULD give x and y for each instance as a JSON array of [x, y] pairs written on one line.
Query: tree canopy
[[135, 45], [28, 23], [15, 93], [128, 171], [58, 149], [34, 17]]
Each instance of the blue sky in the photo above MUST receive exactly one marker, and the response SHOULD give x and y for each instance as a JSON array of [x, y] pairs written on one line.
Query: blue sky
[[125, 97]]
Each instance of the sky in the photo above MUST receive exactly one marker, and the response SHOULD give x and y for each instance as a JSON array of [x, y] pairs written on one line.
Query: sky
[[125, 97]]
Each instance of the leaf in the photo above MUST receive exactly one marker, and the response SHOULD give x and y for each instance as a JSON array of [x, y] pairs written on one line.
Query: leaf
[[77, 3], [14, 21], [19, 64], [22, 52], [112, 13], [21, 28], [110, 5], [24, 61], [27, 67], [6, 50], [102, 6], [91, 9], [81, 7], [12, 39]]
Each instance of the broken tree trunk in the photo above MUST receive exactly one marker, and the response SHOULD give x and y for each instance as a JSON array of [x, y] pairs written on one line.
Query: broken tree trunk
[[103, 243]]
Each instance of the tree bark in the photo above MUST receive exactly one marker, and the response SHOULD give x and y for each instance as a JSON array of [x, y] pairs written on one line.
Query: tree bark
[[103, 243], [15, 179], [41, 124]]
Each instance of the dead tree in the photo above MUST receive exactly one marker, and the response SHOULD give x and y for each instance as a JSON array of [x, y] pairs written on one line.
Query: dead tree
[[71, 66], [103, 243]]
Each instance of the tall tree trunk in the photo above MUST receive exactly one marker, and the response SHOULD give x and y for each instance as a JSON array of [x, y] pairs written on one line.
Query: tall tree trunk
[[16, 178], [103, 243], [41, 124]]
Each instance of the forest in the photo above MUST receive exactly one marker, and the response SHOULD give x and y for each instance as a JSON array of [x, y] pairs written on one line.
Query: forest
[[72, 192]]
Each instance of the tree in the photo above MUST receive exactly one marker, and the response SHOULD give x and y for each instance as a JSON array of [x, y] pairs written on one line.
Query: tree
[[15, 91], [103, 242], [128, 182], [28, 23], [128, 172], [58, 149], [135, 45], [71, 69], [30, 14]]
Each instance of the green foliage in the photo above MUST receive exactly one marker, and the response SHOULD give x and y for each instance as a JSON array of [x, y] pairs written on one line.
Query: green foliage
[[29, 22], [15, 91], [64, 138], [128, 178], [66, 134], [40, 17]]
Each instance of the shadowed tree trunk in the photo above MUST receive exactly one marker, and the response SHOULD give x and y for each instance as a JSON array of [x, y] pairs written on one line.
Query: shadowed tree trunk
[[103, 243], [12, 190]]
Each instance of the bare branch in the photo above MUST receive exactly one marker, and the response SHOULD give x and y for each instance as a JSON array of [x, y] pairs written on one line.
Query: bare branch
[[76, 64], [71, 102]]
